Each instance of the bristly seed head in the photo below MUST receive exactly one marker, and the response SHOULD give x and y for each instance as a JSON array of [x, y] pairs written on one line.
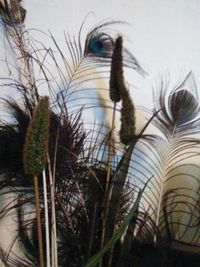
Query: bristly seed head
[[118, 91], [127, 131], [116, 73], [36, 143]]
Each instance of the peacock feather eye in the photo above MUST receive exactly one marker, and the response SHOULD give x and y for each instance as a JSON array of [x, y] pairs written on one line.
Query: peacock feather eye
[[12, 13], [183, 106], [97, 47], [101, 45]]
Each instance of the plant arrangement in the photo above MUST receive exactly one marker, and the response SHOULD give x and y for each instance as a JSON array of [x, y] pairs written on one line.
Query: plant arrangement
[[85, 194]]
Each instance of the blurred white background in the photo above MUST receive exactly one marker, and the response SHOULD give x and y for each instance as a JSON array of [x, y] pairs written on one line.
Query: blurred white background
[[163, 35]]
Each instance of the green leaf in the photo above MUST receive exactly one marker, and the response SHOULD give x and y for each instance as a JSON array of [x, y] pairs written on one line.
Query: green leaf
[[118, 182], [116, 189], [119, 232]]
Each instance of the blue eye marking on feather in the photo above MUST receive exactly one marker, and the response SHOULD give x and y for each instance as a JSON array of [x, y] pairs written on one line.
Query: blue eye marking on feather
[[100, 45], [97, 47]]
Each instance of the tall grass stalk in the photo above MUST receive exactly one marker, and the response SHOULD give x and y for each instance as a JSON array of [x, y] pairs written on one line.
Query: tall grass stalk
[[107, 196], [118, 234], [46, 219], [38, 218], [54, 249], [35, 150]]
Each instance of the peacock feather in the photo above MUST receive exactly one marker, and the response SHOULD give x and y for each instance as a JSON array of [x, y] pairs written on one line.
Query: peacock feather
[[116, 203]]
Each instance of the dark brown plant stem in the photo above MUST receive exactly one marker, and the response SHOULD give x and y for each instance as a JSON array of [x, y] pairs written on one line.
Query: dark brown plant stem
[[106, 200], [92, 232], [111, 143], [110, 148], [38, 218]]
